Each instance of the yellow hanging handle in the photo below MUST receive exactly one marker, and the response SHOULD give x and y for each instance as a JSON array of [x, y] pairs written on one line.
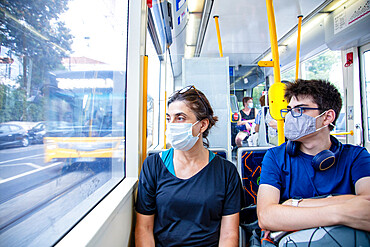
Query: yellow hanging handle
[[298, 46], [276, 91], [218, 35]]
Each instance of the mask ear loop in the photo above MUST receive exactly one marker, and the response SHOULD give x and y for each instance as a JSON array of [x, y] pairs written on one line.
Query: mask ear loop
[[324, 125], [195, 124]]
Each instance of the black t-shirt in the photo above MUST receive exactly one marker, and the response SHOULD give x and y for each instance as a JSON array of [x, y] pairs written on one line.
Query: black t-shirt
[[188, 212], [247, 117]]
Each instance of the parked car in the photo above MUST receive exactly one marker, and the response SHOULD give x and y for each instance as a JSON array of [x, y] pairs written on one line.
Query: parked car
[[36, 134], [13, 134]]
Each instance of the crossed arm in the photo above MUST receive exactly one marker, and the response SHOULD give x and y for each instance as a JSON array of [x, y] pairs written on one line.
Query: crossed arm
[[229, 232], [349, 210]]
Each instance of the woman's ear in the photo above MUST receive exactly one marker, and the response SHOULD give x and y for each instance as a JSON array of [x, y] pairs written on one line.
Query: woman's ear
[[204, 125]]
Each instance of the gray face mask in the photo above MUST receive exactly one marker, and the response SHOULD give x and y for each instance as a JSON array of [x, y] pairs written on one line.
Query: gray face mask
[[296, 128]]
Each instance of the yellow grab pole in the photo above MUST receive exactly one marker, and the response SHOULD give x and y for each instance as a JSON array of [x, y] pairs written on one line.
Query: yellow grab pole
[[298, 46], [273, 40], [276, 91], [218, 35], [145, 98], [165, 121]]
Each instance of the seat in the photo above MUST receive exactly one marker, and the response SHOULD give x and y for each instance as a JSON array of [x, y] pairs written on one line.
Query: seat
[[219, 151], [249, 162], [249, 166]]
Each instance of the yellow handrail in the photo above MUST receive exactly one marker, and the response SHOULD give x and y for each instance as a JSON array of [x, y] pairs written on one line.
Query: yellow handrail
[[342, 133], [218, 35], [145, 103], [298, 46]]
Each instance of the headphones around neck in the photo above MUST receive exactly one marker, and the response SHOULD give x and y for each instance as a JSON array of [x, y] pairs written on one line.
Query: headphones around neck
[[323, 160]]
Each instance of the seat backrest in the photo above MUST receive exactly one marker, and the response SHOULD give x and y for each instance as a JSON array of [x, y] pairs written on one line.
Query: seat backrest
[[249, 166], [155, 151], [219, 151]]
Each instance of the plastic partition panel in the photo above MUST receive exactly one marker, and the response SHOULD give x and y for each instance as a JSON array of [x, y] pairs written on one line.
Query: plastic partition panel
[[249, 167], [211, 76]]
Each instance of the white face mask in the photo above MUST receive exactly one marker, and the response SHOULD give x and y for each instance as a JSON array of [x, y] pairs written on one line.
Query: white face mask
[[180, 135], [250, 105]]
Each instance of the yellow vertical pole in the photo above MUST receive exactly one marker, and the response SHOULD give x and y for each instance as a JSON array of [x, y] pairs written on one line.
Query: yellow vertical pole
[[145, 105], [276, 92], [273, 40], [218, 35], [298, 46]]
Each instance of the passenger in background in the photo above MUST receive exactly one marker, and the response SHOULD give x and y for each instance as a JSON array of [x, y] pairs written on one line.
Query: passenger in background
[[271, 123], [247, 119], [259, 114], [313, 164], [188, 196]]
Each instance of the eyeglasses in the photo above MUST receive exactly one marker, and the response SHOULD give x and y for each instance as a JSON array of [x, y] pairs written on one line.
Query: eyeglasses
[[296, 111], [188, 88]]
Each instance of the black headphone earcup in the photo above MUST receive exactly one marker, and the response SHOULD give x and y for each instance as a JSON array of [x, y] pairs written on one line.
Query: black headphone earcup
[[292, 148], [323, 160]]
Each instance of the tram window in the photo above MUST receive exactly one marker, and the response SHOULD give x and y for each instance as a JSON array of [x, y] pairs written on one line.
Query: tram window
[[327, 66], [288, 75], [65, 71], [257, 93], [153, 114]]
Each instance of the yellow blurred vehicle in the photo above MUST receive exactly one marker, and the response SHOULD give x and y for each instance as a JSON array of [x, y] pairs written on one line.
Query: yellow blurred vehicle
[[83, 149]]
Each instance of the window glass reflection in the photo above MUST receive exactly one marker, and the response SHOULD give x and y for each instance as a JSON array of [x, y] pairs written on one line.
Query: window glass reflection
[[62, 113]]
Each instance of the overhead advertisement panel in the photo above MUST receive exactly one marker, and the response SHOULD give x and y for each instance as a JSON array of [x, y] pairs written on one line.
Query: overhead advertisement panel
[[348, 25], [349, 16]]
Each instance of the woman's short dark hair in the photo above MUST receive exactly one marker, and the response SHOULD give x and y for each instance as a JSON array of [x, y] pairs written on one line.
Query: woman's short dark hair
[[200, 106], [322, 92], [245, 100]]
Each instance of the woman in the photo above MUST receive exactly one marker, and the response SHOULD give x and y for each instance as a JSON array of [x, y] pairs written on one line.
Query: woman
[[188, 196], [247, 119]]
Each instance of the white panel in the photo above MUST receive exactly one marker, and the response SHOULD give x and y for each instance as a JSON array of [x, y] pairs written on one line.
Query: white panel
[[211, 76]]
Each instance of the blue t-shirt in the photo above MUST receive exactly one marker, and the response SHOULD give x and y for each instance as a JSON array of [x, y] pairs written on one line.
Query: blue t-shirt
[[188, 212], [296, 177]]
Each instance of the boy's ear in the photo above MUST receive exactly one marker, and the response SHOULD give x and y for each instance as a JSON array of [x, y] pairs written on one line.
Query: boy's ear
[[330, 117]]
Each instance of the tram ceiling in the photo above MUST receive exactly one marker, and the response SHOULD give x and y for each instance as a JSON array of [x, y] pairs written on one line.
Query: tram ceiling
[[243, 27]]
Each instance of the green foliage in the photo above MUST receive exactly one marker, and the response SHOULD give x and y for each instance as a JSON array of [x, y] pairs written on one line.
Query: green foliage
[[32, 31], [320, 66], [257, 93], [14, 106]]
